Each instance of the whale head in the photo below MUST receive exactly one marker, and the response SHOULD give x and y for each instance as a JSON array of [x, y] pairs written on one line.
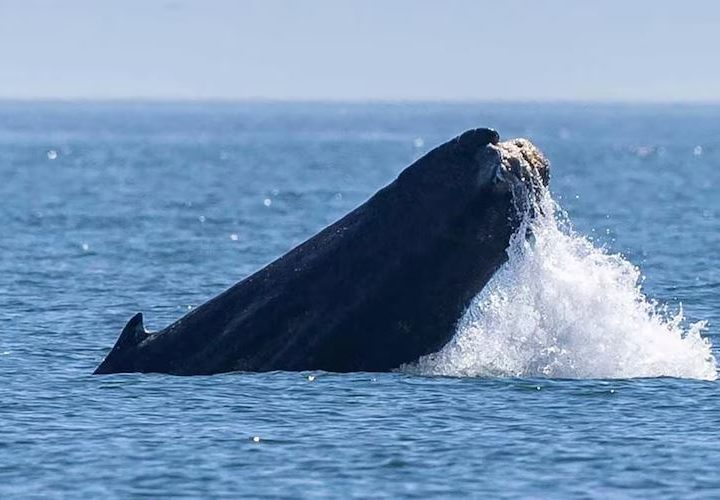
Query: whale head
[[474, 176]]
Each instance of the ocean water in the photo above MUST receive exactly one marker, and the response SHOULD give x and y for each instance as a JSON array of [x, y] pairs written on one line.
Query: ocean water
[[586, 368]]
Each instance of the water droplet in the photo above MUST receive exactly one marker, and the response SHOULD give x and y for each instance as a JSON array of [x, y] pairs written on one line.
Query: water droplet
[[234, 237], [52, 154], [267, 202]]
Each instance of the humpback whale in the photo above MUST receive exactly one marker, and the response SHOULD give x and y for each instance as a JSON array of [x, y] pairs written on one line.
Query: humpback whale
[[382, 286]]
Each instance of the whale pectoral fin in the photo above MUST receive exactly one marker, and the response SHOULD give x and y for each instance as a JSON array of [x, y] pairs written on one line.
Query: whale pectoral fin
[[133, 333]]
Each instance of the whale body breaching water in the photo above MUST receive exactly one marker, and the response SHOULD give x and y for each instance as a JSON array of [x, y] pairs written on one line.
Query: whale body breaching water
[[382, 286], [463, 265], [563, 308]]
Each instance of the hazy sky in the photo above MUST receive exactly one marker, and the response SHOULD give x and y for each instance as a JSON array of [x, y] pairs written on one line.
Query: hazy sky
[[371, 49]]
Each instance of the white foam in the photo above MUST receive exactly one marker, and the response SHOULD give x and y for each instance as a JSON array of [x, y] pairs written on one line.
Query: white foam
[[563, 308]]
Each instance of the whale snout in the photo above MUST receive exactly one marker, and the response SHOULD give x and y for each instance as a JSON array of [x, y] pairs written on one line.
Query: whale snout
[[507, 164], [521, 163]]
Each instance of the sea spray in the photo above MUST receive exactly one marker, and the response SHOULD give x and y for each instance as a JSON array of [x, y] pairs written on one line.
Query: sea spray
[[562, 307]]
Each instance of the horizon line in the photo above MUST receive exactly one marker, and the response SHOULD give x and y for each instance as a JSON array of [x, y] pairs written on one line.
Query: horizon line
[[352, 101]]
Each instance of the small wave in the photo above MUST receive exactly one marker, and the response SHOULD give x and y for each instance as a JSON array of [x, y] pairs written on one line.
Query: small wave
[[563, 308]]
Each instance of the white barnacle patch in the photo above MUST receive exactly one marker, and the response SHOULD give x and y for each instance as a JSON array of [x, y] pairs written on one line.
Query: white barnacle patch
[[521, 164]]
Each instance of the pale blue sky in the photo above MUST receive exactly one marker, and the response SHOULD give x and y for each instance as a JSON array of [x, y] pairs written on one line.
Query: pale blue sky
[[373, 49]]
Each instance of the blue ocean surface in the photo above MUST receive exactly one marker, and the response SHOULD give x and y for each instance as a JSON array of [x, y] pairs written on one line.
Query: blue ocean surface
[[601, 382]]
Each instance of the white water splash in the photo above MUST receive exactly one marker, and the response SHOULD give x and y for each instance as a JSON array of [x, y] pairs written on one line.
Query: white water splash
[[563, 308]]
